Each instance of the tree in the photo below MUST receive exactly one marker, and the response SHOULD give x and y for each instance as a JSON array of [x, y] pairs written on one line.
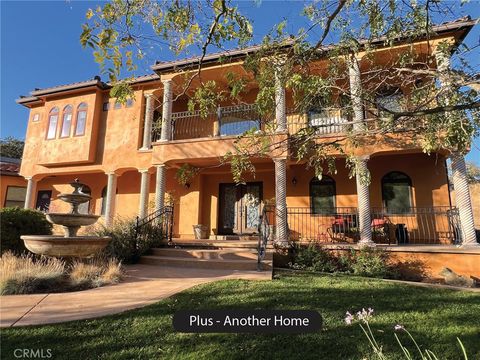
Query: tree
[[473, 173], [436, 117], [11, 147]]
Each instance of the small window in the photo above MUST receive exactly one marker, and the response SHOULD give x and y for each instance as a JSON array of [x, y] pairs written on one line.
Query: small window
[[66, 122], [322, 195], [36, 117], [391, 99], [396, 192], [52, 123], [81, 119], [106, 106], [129, 103], [118, 105], [15, 196]]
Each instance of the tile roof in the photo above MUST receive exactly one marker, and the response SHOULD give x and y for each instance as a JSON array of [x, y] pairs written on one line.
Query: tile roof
[[9, 166]]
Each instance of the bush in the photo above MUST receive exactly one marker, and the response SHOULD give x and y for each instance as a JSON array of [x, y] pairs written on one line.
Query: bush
[[367, 262], [16, 222], [27, 274]]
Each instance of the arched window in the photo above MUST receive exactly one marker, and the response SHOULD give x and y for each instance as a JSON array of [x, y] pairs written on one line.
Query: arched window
[[81, 119], [391, 99], [52, 123], [396, 192], [322, 195], [85, 207], [104, 201], [66, 121]]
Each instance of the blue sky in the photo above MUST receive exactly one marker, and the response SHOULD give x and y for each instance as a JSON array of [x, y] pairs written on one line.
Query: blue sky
[[40, 48]]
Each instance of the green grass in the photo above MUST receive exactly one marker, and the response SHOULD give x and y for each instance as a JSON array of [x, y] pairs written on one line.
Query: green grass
[[435, 317]]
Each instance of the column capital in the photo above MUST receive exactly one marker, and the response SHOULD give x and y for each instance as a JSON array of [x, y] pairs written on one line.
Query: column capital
[[166, 81], [160, 165], [143, 170], [110, 173], [362, 157], [275, 159], [28, 178], [150, 96]]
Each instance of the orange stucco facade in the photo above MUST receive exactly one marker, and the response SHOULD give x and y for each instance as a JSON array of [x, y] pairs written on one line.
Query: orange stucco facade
[[112, 144]]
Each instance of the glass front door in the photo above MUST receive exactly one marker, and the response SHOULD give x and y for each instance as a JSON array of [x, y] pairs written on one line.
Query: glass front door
[[239, 208]]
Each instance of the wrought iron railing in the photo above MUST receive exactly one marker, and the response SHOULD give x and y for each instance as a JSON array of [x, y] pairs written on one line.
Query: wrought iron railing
[[415, 225], [265, 234], [155, 228]]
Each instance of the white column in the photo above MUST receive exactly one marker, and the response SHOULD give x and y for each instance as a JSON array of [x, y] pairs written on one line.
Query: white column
[[463, 201], [363, 194], [167, 110], [160, 187], [147, 125], [280, 110], [30, 195], [356, 93], [281, 235], [144, 192], [111, 197]]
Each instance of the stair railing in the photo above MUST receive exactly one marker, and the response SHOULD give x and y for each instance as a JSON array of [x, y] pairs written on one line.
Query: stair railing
[[263, 236], [152, 229]]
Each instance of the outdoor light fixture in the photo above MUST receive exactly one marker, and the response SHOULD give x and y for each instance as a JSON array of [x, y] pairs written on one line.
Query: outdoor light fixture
[[187, 185], [294, 181]]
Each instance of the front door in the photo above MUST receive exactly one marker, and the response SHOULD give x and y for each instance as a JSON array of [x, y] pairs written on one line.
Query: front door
[[239, 210], [43, 200]]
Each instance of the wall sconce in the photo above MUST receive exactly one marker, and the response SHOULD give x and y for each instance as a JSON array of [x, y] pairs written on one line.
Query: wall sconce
[[294, 181], [187, 185]]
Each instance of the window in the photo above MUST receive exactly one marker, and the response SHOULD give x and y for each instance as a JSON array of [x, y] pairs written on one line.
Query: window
[[322, 195], [43, 200], [129, 103], [81, 119], [118, 105], [66, 122], [52, 123], [390, 99], [104, 201], [106, 106], [15, 196], [396, 192], [35, 117]]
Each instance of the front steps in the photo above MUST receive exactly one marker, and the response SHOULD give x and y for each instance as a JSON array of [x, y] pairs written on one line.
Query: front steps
[[210, 254]]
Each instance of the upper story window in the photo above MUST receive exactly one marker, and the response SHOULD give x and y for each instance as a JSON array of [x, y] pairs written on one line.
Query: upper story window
[[396, 192], [390, 99], [67, 121], [36, 117], [322, 195], [52, 123], [129, 103], [118, 105], [81, 119]]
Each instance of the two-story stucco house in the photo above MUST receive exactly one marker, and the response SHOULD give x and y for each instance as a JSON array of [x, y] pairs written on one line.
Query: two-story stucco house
[[79, 131]]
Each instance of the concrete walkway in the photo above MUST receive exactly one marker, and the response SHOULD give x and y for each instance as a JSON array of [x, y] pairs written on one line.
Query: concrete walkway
[[143, 285]]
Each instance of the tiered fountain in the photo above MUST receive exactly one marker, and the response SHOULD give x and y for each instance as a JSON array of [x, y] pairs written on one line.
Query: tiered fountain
[[69, 245]]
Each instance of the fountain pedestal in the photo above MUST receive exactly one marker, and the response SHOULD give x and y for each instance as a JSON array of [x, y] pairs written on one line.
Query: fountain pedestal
[[69, 245]]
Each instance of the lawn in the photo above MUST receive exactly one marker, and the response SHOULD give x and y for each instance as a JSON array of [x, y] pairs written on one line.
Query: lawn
[[435, 317]]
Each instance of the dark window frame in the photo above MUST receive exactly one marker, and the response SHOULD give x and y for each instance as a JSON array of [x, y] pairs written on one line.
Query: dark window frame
[[55, 111], [404, 179], [67, 110], [325, 181], [81, 108], [6, 195]]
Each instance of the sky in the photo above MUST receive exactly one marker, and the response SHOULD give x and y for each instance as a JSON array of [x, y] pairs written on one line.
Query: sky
[[40, 48]]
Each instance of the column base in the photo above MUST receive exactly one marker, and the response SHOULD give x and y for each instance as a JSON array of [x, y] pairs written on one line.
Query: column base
[[145, 149], [283, 244], [366, 243], [470, 246]]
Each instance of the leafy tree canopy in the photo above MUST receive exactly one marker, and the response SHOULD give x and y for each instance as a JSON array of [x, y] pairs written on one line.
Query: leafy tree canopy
[[11, 147]]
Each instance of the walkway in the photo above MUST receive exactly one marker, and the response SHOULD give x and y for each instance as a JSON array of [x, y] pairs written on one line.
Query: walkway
[[143, 285]]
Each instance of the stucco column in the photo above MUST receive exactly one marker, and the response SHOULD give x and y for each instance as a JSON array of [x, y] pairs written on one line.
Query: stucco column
[[363, 194], [147, 125], [463, 201], [30, 195], [356, 92], [160, 185], [167, 110], [111, 197], [281, 235], [144, 191], [280, 110]]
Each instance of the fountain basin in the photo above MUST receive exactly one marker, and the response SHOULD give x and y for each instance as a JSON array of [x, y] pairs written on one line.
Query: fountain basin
[[73, 220], [61, 246]]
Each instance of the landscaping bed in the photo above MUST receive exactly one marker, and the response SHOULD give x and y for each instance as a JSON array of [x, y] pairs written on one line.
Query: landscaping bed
[[435, 317]]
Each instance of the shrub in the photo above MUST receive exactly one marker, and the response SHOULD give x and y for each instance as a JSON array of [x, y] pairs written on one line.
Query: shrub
[[16, 222], [94, 272], [371, 262], [26, 275], [315, 258]]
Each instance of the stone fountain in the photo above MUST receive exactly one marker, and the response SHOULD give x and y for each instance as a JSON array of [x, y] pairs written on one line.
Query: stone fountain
[[70, 245]]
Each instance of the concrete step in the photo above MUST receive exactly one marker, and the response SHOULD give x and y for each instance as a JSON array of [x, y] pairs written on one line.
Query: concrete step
[[203, 263], [234, 237], [215, 244], [207, 254]]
